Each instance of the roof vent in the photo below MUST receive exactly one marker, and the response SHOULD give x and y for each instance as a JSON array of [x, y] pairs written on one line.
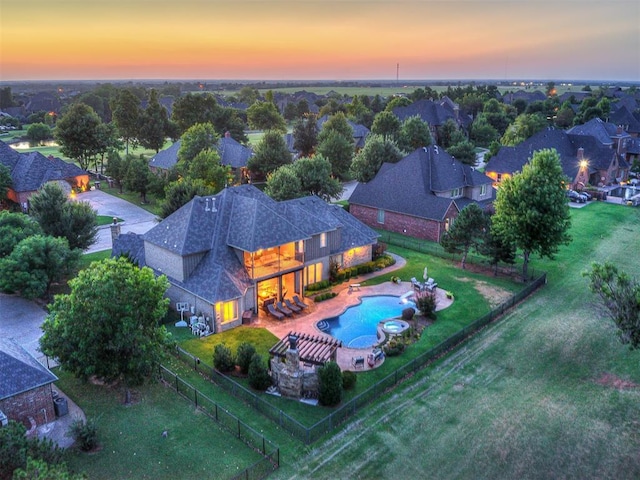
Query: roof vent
[[435, 147]]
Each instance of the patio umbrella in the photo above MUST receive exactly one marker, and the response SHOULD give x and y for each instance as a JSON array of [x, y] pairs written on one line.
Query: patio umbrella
[[425, 275]]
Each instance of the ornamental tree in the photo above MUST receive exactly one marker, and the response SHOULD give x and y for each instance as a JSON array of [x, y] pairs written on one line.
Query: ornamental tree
[[467, 232], [619, 295], [15, 227], [270, 153], [531, 208], [109, 325]]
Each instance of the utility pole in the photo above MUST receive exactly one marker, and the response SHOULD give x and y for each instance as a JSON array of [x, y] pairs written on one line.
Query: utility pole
[[397, 73]]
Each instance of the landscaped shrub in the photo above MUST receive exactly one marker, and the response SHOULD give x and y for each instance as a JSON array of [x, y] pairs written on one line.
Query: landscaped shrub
[[258, 374], [15, 448], [330, 388], [334, 269], [324, 296], [408, 313], [426, 303], [243, 356], [314, 287], [85, 434], [349, 379], [378, 250], [222, 358], [384, 261], [393, 348]]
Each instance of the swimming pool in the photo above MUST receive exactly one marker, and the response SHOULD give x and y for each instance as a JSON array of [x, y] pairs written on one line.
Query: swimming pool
[[357, 327]]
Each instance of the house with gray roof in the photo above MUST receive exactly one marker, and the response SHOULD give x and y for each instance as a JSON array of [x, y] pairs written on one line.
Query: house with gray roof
[[26, 393], [231, 252], [435, 114], [584, 158], [31, 170], [360, 132], [421, 195], [232, 153]]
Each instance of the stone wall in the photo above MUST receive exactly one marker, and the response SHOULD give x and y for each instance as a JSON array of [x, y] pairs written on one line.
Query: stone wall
[[291, 378]]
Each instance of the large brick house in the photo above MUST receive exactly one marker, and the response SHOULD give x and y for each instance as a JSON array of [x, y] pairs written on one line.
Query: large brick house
[[30, 171], [228, 253], [421, 195], [585, 159], [26, 393]]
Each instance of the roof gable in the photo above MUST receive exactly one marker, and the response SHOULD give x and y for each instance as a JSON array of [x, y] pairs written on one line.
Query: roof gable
[[21, 372]]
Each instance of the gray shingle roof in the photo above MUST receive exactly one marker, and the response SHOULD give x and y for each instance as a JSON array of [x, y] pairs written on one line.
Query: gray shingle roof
[[20, 371], [242, 218], [409, 186], [167, 158], [232, 153], [31, 170], [431, 112]]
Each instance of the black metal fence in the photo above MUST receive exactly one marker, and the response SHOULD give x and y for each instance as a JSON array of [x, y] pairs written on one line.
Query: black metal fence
[[270, 452], [309, 435]]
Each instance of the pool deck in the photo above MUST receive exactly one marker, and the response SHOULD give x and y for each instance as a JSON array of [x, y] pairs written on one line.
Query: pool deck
[[305, 322]]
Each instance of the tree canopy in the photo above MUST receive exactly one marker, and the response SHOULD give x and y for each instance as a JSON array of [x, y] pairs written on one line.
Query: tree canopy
[[307, 176], [109, 324], [468, 231], [305, 135], [338, 150], [35, 263], [198, 137], [376, 151], [125, 111], [59, 217], [619, 294], [154, 124], [414, 133], [15, 227], [265, 116], [270, 153], [531, 207]]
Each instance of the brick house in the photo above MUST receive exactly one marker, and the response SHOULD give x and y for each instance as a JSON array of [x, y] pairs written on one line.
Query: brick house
[[421, 195], [584, 158], [30, 171], [26, 393], [228, 253]]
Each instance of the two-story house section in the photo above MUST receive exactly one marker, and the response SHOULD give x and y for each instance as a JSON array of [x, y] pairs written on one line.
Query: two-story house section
[[421, 195], [229, 253]]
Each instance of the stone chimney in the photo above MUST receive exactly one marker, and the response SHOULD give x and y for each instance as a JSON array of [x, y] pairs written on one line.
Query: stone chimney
[[227, 134], [580, 154]]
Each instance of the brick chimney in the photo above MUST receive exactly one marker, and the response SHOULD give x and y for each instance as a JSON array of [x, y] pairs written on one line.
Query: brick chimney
[[227, 134], [580, 154]]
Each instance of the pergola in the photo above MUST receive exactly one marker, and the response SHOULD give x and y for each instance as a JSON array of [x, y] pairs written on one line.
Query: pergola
[[312, 349]]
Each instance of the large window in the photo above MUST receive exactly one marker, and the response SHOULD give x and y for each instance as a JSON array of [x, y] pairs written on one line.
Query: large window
[[381, 216], [456, 192], [314, 273], [483, 190], [228, 311]]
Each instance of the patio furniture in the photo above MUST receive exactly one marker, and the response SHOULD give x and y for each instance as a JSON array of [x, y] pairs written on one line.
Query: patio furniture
[[291, 306], [354, 286], [357, 362], [272, 310], [284, 309], [430, 285], [299, 302]]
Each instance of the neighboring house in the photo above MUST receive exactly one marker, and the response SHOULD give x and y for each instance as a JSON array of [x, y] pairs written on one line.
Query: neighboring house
[[529, 97], [623, 118], [232, 154], [229, 253], [360, 132], [26, 393], [584, 159], [421, 195], [435, 114], [30, 171]]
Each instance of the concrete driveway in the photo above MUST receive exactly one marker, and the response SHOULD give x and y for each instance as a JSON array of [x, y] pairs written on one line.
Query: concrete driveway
[[136, 219], [20, 320]]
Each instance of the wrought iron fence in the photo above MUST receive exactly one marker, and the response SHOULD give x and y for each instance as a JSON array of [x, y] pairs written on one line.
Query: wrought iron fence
[[309, 435]]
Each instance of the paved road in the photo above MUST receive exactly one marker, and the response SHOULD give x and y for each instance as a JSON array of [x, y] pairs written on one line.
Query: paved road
[[136, 219], [20, 320]]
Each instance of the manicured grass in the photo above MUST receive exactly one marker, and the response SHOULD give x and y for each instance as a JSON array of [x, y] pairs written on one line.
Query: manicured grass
[[522, 399], [87, 258], [106, 220], [131, 444]]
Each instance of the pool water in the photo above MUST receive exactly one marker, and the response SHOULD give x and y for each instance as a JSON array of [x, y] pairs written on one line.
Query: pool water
[[357, 326]]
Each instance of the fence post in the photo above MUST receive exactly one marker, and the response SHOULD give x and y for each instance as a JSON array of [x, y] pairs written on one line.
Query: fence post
[[195, 394], [177, 389], [264, 451]]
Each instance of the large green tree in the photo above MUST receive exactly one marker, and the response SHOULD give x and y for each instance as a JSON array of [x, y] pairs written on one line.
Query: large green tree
[[15, 227], [531, 208], [271, 153], [35, 263], [368, 161], [284, 183], [523, 127], [59, 217], [316, 177], [387, 125], [619, 295], [180, 192], [80, 134], [305, 135], [336, 123], [138, 177], [125, 111], [265, 116], [414, 133], [38, 133], [109, 325], [154, 124], [198, 137], [339, 151], [468, 231]]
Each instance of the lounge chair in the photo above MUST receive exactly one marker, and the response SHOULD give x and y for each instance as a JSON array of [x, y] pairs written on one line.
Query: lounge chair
[[288, 312], [299, 302], [272, 310], [291, 306]]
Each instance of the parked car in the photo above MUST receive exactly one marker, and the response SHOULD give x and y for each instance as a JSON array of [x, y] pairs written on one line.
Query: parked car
[[586, 194], [576, 197]]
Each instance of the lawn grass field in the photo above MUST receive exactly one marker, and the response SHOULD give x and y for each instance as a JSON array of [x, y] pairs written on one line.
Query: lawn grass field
[[528, 397], [131, 442]]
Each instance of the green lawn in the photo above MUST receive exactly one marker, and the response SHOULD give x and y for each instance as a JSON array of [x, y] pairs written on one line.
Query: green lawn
[[131, 442], [523, 399]]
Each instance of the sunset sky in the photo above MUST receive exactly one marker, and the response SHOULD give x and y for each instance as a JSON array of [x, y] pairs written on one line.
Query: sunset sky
[[319, 39]]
